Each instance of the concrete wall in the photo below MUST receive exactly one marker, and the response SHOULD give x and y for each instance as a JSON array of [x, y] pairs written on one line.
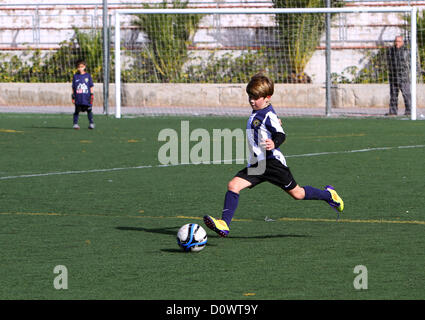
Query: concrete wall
[[204, 95]]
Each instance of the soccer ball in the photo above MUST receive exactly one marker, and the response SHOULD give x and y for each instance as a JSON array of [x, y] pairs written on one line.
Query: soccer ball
[[192, 237]]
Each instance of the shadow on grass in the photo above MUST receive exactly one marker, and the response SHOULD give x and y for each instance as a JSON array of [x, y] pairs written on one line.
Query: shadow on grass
[[60, 128], [173, 231], [273, 236], [173, 251], [168, 230]]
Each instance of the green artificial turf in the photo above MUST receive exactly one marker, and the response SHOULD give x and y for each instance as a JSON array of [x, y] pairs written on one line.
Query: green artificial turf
[[115, 230]]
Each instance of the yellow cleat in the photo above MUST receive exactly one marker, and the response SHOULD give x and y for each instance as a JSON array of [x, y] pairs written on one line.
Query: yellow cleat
[[336, 201], [216, 225]]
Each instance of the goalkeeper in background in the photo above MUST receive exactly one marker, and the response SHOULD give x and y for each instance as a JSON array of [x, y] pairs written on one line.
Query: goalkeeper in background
[[82, 94]]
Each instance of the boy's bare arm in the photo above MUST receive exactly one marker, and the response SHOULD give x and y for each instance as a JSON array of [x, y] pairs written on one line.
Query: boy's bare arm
[[268, 144]]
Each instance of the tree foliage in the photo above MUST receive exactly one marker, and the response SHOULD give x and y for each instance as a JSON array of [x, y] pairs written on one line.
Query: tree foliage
[[59, 66]]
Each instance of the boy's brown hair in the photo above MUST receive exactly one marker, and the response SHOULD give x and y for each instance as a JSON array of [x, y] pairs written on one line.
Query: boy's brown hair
[[80, 61], [260, 86]]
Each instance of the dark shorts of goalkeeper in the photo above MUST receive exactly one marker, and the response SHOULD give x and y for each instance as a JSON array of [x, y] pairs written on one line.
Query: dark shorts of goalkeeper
[[275, 173], [82, 108]]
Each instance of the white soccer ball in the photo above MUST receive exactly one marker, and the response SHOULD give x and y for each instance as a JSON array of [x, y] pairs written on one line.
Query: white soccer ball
[[192, 237]]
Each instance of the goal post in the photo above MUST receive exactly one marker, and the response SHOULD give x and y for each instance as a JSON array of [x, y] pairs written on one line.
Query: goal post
[[413, 76], [117, 47], [411, 12]]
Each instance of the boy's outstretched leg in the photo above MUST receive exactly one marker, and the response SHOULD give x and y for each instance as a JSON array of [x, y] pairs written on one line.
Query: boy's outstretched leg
[[310, 193], [231, 199]]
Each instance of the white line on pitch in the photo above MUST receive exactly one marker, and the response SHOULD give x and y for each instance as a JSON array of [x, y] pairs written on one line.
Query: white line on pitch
[[212, 162]]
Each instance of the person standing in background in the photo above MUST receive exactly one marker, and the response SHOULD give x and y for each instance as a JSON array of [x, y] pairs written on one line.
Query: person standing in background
[[398, 59]]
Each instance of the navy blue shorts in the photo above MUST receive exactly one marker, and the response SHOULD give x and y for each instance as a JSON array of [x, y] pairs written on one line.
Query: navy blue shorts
[[82, 108], [275, 173]]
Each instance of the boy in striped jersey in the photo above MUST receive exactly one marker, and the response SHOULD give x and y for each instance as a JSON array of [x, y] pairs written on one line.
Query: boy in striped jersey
[[265, 134]]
